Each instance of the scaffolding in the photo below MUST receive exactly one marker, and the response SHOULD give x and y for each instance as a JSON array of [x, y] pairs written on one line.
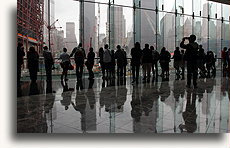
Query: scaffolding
[[30, 23]]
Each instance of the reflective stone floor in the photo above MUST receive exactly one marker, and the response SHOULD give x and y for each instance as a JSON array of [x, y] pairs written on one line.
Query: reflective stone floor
[[116, 106]]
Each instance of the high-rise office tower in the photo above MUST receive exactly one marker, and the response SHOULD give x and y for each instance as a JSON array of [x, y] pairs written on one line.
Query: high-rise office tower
[[70, 40]]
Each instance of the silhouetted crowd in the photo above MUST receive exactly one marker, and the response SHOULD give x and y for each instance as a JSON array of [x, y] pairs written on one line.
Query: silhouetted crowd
[[192, 56]]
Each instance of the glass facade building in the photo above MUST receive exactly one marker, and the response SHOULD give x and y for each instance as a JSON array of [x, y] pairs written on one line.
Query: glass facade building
[[156, 22]]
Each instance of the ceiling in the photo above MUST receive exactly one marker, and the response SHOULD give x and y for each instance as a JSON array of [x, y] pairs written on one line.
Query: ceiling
[[222, 1]]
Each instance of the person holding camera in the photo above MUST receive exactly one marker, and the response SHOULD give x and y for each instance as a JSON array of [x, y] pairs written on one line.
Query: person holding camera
[[191, 58]]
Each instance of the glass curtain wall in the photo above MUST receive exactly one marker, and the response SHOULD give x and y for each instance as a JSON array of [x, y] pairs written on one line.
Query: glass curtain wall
[[160, 23]]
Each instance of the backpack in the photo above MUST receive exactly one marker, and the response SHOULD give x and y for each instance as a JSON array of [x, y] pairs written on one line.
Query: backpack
[[107, 56], [156, 56], [79, 53]]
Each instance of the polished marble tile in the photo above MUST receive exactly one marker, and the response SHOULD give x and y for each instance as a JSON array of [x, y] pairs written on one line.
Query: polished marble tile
[[116, 107]]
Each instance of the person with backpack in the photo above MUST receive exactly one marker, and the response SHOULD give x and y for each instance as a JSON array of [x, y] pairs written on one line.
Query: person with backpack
[[79, 57], [107, 59], [177, 62], [49, 63], [136, 54], [191, 58], [119, 55], [146, 62], [65, 63], [156, 57]]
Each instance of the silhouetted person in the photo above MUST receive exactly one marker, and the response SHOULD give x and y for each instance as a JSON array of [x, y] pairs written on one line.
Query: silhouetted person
[[156, 57], [224, 60], [79, 56], [120, 56], [201, 61], [107, 59], [147, 62], [33, 63], [165, 57], [136, 54], [177, 62], [65, 63], [49, 62], [20, 61], [90, 62], [210, 64], [191, 58], [125, 63], [112, 64], [182, 64], [101, 53]]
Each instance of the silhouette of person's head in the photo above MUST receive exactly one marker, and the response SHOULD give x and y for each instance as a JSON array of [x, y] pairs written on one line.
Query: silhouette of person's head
[[192, 38], [45, 48], [151, 47], [200, 46], [177, 48], [91, 49], [80, 45], [146, 46], [100, 49], [118, 47], [64, 50], [32, 49], [20, 45], [106, 46], [163, 49], [225, 48], [137, 45]]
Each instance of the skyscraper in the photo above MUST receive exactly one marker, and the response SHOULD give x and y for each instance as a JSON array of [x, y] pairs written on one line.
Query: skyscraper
[[70, 40], [89, 25], [118, 27]]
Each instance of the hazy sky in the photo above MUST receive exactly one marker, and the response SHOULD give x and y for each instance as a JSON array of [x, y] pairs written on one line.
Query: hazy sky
[[68, 11]]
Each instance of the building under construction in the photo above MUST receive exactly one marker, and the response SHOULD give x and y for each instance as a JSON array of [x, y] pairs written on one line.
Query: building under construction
[[30, 23]]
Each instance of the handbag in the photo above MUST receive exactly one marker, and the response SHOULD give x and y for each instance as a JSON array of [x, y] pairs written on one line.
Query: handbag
[[71, 67]]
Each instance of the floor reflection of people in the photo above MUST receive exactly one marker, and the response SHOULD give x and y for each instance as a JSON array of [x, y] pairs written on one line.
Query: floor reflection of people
[[50, 98], [121, 96], [189, 115], [66, 95], [136, 111], [30, 117], [80, 104], [144, 111], [178, 89], [164, 90], [91, 95]]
